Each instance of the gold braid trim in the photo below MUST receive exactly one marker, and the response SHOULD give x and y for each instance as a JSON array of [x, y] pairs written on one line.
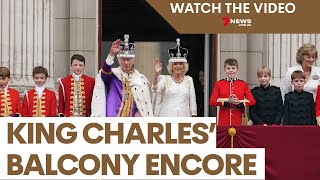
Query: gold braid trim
[[126, 106], [7, 105], [121, 106], [104, 72], [38, 110]]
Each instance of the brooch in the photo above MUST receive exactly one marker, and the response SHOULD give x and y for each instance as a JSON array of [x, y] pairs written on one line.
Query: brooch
[[315, 77]]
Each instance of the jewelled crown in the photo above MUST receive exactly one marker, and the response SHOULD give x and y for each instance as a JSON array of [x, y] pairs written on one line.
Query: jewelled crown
[[126, 48], [178, 54]]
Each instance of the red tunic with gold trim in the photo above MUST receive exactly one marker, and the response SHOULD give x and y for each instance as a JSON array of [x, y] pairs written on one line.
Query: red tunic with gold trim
[[230, 114], [32, 106], [10, 103], [75, 96]]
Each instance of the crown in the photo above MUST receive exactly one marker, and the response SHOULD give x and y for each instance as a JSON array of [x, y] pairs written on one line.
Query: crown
[[126, 48], [178, 54]]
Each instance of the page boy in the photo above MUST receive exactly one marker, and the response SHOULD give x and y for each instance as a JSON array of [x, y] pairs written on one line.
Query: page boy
[[39, 101], [269, 105], [75, 90], [299, 106], [230, 94], [10, 98]]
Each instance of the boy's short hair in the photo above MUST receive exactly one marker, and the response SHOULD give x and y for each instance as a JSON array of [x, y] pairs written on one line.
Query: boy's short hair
[[4, 72], [264, 70], [306, 49], [231, 62], [78, 57], [40, 70], [297, 75]]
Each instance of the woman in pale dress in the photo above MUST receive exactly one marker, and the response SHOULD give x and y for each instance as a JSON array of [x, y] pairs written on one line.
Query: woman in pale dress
[[306, 57], [174, 94]]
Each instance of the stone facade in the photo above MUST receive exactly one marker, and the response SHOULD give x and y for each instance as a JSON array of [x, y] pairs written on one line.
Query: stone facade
[[27, 40], [49, 32], [75, 32]]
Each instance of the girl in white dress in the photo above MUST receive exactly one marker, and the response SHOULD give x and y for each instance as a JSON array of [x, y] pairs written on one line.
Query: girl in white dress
[[174, 95]]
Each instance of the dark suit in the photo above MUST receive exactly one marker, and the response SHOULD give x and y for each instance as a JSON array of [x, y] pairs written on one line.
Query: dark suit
[[269, 106], [299, 109]]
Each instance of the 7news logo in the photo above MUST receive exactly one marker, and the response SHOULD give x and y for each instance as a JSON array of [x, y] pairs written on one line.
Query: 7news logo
[[239, 22]]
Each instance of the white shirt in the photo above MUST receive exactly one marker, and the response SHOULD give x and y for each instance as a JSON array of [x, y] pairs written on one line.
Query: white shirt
[[40, 90], [311, 84], [76, 77], [5, 90]]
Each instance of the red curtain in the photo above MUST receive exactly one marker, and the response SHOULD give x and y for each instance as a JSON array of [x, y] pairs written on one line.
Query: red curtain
[[292, 152]]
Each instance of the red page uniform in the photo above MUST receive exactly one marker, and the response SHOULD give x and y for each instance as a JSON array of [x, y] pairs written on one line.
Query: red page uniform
[[45, 106], [230, 114], [10, 103], [75, 96]]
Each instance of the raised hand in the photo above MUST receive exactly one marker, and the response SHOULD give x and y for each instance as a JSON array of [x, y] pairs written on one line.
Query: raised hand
[[157, 65], [157, 70], [115, 47]]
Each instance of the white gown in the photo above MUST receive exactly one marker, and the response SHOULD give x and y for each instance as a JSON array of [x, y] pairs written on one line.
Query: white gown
[[171, 99]]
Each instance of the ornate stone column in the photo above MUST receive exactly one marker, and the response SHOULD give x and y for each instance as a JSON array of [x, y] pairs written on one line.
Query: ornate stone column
[[26, 39]]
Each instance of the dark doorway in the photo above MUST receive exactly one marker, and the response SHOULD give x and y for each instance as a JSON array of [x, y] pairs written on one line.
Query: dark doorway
[[138, 19]]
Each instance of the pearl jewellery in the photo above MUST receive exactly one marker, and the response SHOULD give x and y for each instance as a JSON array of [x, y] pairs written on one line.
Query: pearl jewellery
[[177, 81]]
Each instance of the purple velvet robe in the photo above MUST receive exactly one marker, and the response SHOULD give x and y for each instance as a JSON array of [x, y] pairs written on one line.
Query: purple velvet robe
[[114, 94]]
